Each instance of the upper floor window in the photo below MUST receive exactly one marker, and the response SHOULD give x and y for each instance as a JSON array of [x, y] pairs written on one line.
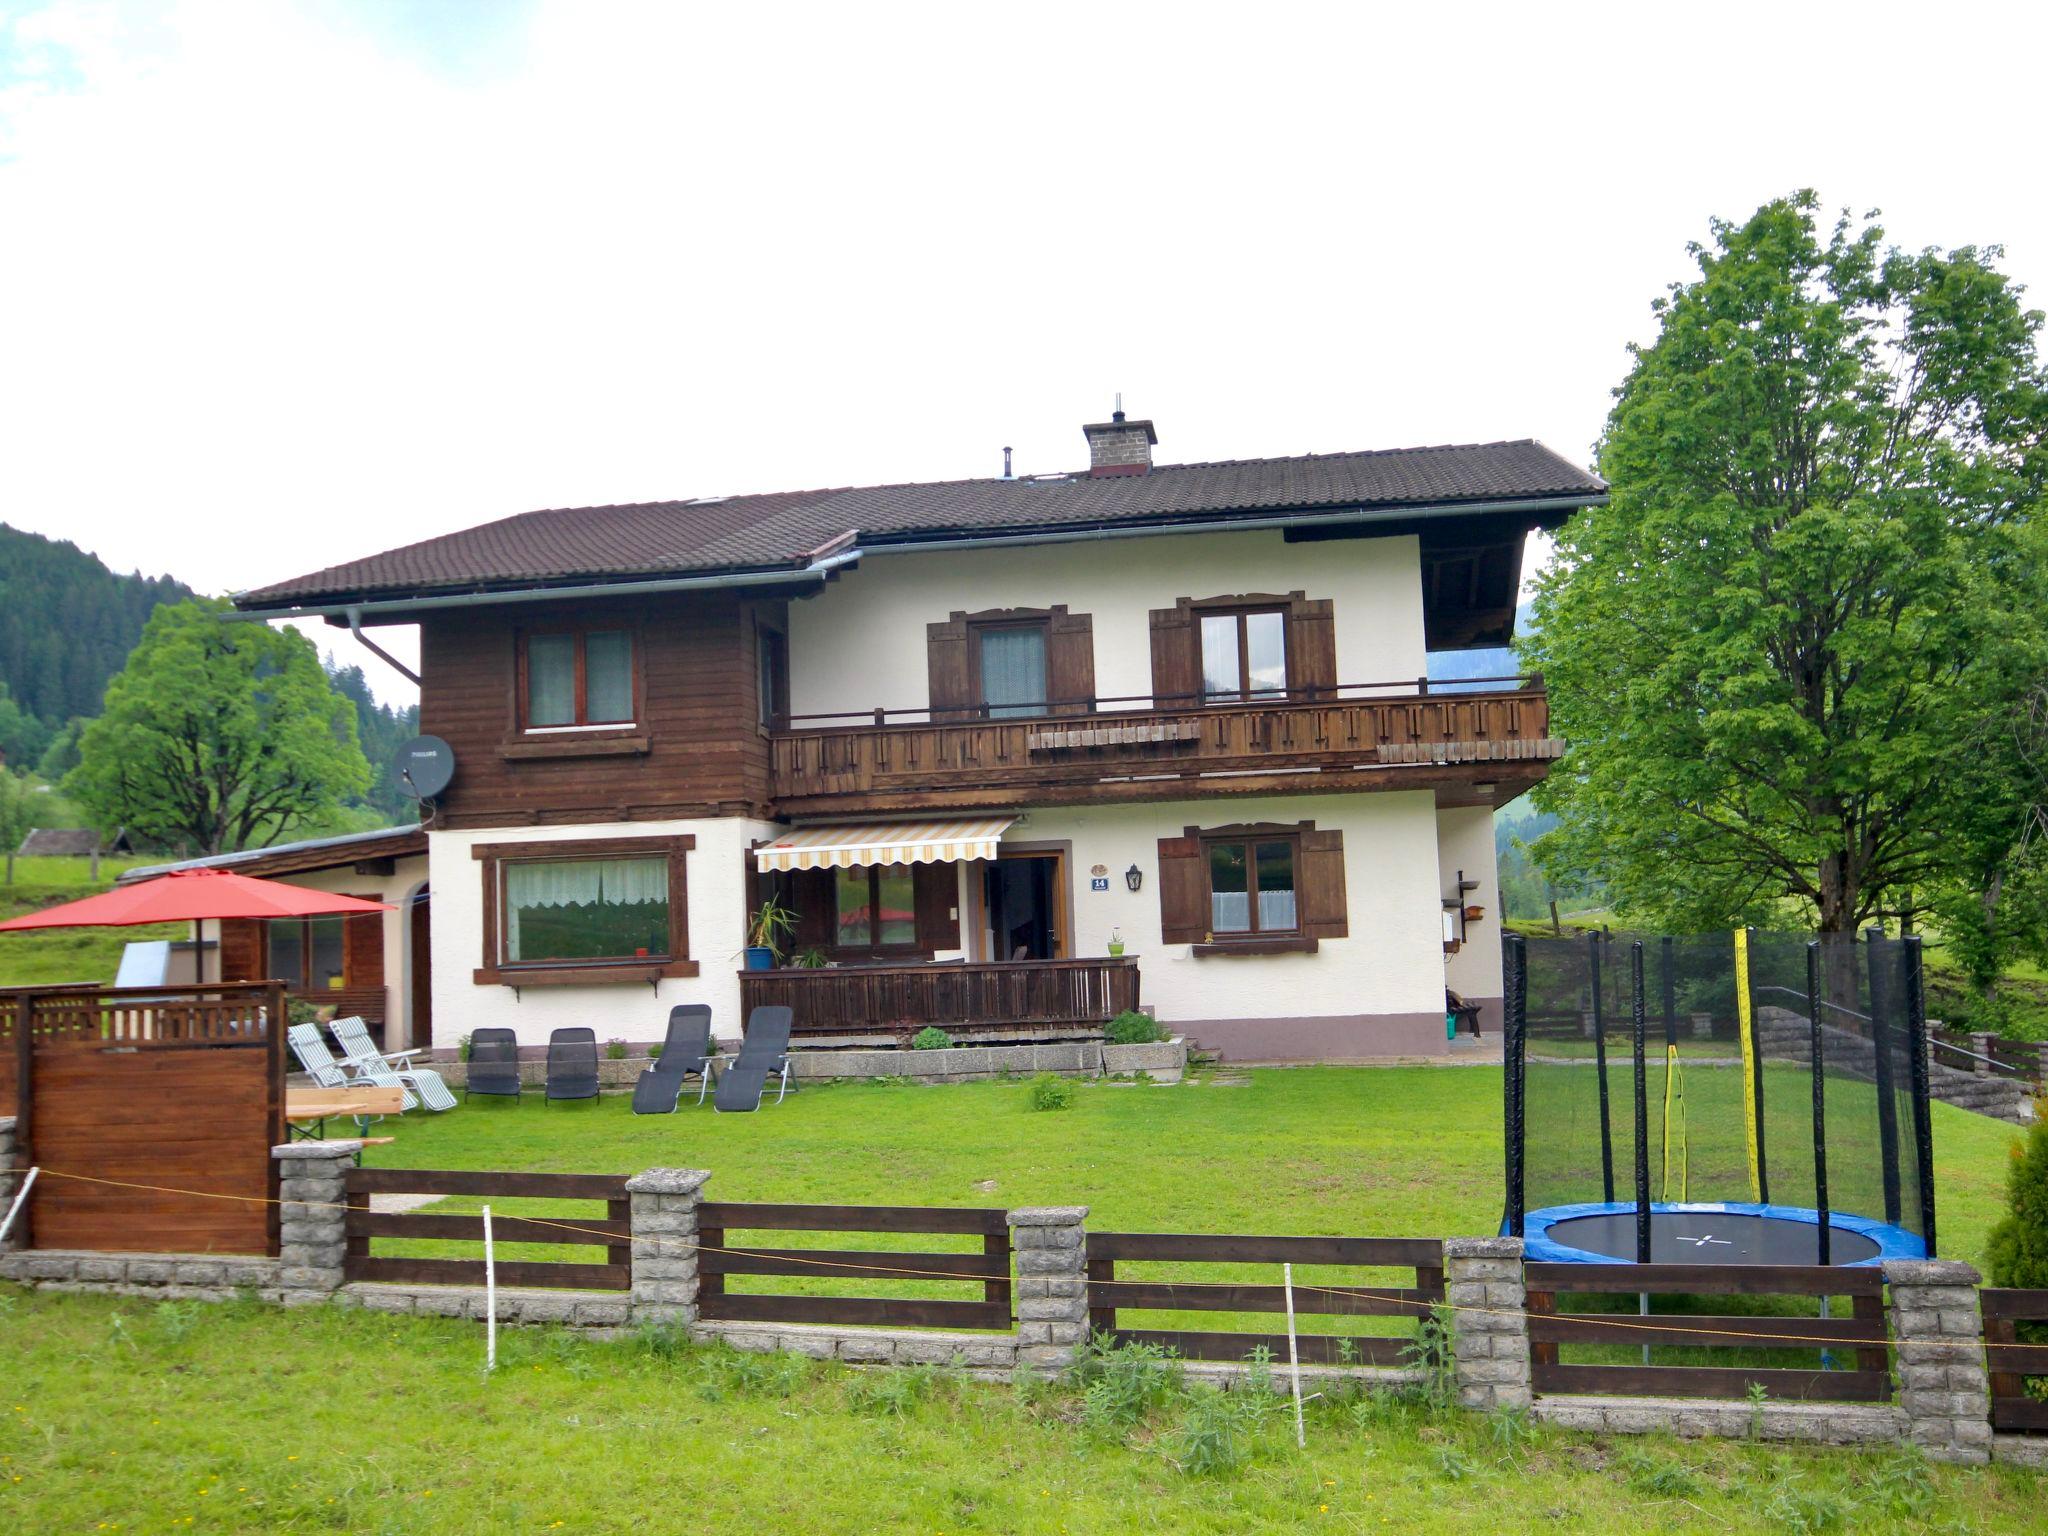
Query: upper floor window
[[771, 675], [1010, 659], [1010, 663], [1244, 656], [577, 678]]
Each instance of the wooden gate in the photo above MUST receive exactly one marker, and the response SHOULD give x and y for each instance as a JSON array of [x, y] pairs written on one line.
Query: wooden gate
[[151, 1112]]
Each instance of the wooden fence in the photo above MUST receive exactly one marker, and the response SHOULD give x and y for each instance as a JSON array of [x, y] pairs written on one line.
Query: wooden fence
[[2009, 1363], [2021, 1060], [1863, 1332], [1107, 1294], [611, 1232], [145, 1107], [989, 1269], [902, 999]]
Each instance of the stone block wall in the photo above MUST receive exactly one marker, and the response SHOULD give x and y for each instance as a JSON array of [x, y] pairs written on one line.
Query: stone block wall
[[1944, 1392], [1483, 1283], [664, 1222], [312, 1184], [1051, 1245]]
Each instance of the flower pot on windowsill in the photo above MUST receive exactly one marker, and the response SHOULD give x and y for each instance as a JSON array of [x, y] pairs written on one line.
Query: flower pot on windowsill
[[760, 958]]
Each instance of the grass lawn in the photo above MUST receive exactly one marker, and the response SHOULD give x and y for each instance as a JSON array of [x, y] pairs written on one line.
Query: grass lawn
[[120, 1415]]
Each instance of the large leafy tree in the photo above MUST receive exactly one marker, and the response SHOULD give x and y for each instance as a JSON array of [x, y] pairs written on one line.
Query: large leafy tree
[[1813, 585], [218, 735]]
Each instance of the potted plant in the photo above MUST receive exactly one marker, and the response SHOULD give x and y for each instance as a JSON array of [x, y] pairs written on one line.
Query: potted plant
[[770, 924], [1116, 943]]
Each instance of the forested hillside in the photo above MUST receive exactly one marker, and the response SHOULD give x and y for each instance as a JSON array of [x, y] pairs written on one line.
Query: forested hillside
[[382, 730], [67, 623]]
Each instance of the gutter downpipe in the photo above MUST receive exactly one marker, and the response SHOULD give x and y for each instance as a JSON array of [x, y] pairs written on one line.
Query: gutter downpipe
[[355, 627]]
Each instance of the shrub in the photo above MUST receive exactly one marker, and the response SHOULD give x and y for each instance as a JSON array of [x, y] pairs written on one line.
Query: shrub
[[1049, 1091], [615, 1049], [1133, 1028], [1215, 1437], [2018, 1245], [1122, 1383], [931, 1038], [462, 1047]]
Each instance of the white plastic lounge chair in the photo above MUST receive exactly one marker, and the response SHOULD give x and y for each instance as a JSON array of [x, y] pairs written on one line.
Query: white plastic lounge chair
[[310, 1046], [360, 1052]]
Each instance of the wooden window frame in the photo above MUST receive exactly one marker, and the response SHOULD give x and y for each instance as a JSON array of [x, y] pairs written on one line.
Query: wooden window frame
[[771, 666], [578, 633], [1039, 619], [875, 952], [496, 971], [1255, 940], [304, 985], [1280, 608]]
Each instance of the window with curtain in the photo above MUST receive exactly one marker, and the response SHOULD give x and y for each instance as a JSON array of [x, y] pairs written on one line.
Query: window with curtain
[[585, 909], [1244, 656], [584, 678], [875, 908], [308, 954], [1013, 675], [1251, 887]]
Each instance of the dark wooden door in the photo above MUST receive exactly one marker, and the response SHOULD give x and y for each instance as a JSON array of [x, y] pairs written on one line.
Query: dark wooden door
[[421, 1013]]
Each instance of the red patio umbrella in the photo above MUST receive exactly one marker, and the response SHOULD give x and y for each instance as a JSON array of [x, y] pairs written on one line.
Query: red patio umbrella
[[192, 895]]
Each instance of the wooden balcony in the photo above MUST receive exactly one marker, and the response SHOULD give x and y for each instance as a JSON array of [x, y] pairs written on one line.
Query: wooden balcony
[[1368, 737], [1005, 1000]]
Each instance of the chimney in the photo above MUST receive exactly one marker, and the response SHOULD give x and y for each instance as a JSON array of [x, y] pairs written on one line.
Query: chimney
[[1119, 447], [1006, 463]]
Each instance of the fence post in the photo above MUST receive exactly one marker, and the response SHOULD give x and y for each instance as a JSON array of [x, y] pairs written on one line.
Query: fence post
[[1938, 1329], [1483, 1285], [7, 1175], [1980, 1042], [664, 1226], [1051, 1243], [312, 1231]]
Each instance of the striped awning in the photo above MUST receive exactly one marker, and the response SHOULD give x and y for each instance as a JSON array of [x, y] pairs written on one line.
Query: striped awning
[[890, 842]]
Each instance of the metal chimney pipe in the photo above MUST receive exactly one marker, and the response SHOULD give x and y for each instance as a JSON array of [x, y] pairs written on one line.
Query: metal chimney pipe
[[1006, 461]]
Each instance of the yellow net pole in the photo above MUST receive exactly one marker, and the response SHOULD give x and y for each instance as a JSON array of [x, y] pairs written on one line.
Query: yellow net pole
[[1746, 1029]]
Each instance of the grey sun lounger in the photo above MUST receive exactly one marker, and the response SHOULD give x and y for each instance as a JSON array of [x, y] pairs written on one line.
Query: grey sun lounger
[[764, 1052], [572, 1064], [493, 1064], [685, 1053]]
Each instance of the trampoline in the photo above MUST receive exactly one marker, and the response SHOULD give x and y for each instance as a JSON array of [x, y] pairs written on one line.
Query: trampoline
[[1780, 1117]]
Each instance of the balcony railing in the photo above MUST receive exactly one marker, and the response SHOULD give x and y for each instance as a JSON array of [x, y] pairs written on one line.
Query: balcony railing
[[896, 1001], [1374, 735]]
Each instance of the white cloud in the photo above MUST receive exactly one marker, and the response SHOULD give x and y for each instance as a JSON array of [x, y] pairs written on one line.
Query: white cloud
[[284, 286]]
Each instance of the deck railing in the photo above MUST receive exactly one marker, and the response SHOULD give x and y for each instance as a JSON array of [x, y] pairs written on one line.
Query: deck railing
[[902, 752], [902, 999]]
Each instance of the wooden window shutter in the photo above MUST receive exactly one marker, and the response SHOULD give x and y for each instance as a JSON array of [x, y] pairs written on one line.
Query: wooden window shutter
[[1311, 648], [1319, 884], [1070, 662], [1183, 892], [938, 900], [952, 680], [1176, 659], [362, 949], [243, 954]]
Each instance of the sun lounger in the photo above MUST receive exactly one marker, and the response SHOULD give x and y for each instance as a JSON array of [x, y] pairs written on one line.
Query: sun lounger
[[310, 1046], [764, 1053], [360, 1052], [493, 1064], [572, 1064], [685, 1053]]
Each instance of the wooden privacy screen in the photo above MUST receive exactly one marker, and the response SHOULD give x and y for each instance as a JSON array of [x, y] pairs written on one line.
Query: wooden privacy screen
[[2010, 1362], [1107, 1294], [612, 1231], [177, 1089], [1768, 1340], [989, 1270]]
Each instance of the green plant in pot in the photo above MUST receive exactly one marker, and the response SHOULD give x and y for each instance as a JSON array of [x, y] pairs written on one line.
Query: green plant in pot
[[1116, 943], [770, 924]]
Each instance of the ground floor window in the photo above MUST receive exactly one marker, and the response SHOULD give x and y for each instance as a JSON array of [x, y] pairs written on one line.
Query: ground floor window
[[582, 907], [875, 908], [309, 954], [1251, 886]]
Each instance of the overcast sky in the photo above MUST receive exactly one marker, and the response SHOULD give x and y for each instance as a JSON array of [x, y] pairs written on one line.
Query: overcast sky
[[282, 285]]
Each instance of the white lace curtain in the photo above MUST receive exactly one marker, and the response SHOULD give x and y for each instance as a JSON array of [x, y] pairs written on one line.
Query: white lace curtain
[[581, 883], [1013, 671]]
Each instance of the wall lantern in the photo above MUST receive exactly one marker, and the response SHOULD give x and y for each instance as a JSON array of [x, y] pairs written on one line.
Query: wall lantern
[[1134, 877]]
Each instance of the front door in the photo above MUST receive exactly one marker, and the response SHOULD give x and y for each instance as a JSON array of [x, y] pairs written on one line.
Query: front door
[[1025, 913], [421, 1014]]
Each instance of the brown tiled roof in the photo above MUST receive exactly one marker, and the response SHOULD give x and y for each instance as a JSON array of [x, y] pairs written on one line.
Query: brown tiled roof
[[785, 530]]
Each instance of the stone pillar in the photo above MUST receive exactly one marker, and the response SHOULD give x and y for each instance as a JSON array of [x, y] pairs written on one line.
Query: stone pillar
[[664, 1222], [1980, 1042], [1051, 1242], [8, 1181], [1483, 1284], [1943, 1390], [312, 1183]]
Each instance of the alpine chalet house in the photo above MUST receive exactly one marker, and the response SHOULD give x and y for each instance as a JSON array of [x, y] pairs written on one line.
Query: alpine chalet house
[[1017, 753]]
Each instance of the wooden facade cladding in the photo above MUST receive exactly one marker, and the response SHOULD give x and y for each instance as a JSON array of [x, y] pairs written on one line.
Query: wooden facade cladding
[[245, 957], [695, 748], [1444, 741]]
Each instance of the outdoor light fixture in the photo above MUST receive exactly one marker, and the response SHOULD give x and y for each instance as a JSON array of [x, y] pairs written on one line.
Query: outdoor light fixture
[[1134, 877]]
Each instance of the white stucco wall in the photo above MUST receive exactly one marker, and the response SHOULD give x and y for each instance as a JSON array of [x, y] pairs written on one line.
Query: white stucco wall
[[393, 888], [1390, 966], [715, 876], [860, 644], [1465, 841]]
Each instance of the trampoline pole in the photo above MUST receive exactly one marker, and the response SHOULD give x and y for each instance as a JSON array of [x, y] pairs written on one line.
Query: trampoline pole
[[1820, 1106], [1638, 1012], [1916, 1056], [1600, 1069], [1668, 954], [1881, 1004], [1752, 1063], [1514, 1017]]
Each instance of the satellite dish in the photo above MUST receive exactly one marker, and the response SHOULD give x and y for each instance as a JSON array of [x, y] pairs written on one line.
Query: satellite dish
[[425, 765]]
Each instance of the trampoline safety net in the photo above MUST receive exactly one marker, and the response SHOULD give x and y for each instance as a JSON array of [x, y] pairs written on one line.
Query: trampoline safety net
[[1660, 1072]]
